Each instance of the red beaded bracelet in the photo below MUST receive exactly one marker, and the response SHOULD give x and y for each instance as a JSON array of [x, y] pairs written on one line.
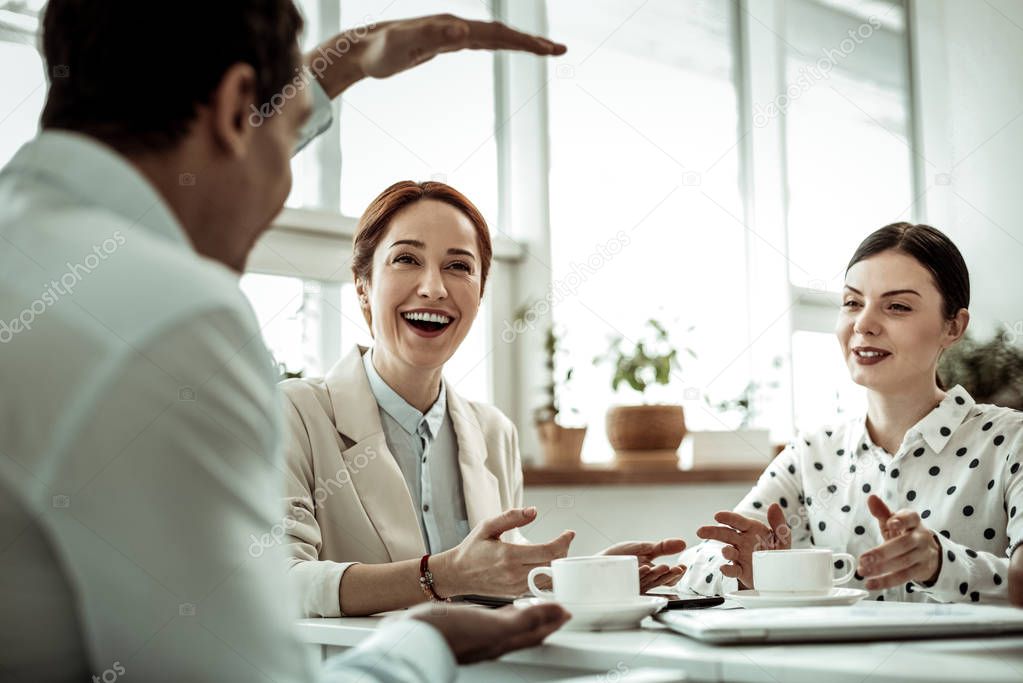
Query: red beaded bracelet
[[426, 579]]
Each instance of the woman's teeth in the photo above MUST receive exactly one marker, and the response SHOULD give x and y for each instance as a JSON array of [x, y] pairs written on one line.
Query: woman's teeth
[[427, 317], [427, 322], [871, 354]]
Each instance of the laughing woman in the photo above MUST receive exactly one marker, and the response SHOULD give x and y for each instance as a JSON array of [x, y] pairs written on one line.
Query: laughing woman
[[949, 468], [399, 490]]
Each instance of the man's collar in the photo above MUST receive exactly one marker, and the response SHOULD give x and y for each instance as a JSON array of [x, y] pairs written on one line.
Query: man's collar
[[100, 177]]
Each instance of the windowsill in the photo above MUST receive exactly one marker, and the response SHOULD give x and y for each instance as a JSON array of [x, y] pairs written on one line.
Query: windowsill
[[315, 245], [336, 226], [609, 475]]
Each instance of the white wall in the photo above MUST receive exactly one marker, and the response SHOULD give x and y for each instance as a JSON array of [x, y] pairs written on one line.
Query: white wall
[[602, 515], [968, 59]]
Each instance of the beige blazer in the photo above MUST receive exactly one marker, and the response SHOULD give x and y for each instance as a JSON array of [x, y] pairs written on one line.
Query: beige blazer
[[346, 499]]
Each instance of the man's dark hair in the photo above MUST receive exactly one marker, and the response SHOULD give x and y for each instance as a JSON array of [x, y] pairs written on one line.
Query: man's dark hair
[[132, 73]]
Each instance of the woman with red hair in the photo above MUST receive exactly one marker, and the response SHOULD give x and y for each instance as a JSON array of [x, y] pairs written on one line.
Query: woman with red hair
[[399, 490]]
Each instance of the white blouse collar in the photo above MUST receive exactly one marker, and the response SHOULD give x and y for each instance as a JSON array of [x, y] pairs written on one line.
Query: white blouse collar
[[937, 427]]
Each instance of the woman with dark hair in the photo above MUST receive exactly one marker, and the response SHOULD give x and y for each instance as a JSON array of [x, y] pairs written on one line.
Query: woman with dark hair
[[399, 490], [948, 467]]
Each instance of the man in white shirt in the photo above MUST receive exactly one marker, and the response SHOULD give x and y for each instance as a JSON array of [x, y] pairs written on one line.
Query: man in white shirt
[[140, 432]]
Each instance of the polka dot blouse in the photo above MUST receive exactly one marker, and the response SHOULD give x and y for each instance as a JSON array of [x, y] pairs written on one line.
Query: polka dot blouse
[[959, 467]]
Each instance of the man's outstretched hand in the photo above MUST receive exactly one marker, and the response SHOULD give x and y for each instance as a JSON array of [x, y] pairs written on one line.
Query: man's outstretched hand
[[390, 47], [475, 634]]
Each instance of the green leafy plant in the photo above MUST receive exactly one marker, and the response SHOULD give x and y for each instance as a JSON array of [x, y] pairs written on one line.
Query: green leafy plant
[[992, 371], [559, 369], [554, 390], [288, 374], [283, 372], [745, 404], [644, 363]]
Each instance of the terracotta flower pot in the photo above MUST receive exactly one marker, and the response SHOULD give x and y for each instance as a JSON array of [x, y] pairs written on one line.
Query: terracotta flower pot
[[562, 446], [646, 434]]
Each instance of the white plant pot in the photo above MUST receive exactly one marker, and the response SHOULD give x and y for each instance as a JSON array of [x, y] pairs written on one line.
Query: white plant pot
[[736, 448]]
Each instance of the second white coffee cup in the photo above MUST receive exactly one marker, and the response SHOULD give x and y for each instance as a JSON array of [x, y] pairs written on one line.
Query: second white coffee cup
[[806, 571], [594, 579]]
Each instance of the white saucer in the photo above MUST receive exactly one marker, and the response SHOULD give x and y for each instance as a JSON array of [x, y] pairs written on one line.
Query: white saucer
[[751, 599], [605, 616]]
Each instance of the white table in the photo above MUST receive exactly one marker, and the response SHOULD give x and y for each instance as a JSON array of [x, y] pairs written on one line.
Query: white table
[[568, 653]]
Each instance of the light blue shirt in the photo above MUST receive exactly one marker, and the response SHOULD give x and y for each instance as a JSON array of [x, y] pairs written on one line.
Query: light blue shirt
[[426, 450]]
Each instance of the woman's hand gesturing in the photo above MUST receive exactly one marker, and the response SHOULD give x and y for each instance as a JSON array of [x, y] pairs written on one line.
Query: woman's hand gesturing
[[484, 564], [910, 552], [743, 535]]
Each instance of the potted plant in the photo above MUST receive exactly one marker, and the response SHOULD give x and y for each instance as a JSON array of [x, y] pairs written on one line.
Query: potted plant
[[743, 445], [562, 445], [648, 434], [991, 371]]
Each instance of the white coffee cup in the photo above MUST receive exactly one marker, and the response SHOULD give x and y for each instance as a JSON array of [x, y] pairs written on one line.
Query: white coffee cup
[[594, 579], [806, 571]]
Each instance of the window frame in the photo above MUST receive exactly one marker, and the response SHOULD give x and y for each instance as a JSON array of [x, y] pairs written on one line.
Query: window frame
[[816, 309], [318, 240], [316, 244]]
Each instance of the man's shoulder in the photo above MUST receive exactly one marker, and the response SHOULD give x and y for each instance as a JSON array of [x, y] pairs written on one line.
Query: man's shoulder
[[90, 301], [92, 265]]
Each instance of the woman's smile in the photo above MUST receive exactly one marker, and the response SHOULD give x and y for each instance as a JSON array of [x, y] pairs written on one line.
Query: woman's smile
[[869, 355], [428, 322]]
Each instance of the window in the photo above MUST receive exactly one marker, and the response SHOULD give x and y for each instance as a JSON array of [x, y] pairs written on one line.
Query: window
[[646, 217], [23, 86], [440, 129], [298, 320], [824, 390], [848, 128], [309, 324], [648, 125], [848, 133], [434, 122], [315, 170]]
